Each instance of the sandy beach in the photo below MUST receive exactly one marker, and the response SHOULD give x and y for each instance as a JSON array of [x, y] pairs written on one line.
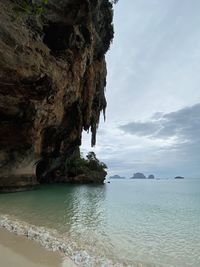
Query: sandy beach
[[18, 251]]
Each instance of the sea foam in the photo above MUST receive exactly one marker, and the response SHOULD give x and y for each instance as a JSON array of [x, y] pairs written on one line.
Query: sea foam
[[51, 240]]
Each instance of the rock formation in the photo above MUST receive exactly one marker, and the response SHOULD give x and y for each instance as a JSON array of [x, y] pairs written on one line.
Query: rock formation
[[151, 176], [138, 175], [116, 176], [52, 81]]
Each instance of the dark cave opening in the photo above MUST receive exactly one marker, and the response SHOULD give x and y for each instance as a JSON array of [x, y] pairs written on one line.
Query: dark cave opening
[[58, 36], [41, 170]]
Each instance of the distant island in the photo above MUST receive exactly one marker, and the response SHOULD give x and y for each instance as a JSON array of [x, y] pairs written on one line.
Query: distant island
[[140, 175], [151, 176], [116, 177], [179, 177]]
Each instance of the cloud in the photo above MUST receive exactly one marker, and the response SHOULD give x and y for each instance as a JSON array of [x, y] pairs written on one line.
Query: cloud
[[167, 144], [140, 128], [183, 124]]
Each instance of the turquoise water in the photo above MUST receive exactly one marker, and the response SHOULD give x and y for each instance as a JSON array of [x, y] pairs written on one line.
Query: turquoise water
[[127, 222]]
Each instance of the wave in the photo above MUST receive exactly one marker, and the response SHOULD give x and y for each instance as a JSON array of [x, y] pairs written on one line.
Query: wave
[[51, 240]]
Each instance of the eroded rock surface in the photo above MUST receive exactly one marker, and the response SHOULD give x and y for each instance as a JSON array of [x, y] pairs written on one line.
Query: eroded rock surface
[[52, 81]]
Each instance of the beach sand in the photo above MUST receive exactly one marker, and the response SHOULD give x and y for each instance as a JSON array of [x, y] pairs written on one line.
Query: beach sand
[[19, 251]]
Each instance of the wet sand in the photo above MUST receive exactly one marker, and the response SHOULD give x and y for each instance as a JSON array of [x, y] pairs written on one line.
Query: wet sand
[[19, 251]]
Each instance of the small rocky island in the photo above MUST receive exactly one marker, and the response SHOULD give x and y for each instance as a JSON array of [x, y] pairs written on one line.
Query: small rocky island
[[151, 176], [140, 175], [116, 177], [179, 177]]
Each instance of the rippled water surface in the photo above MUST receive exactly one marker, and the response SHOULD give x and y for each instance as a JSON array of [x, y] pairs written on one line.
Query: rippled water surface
[[131, 222]]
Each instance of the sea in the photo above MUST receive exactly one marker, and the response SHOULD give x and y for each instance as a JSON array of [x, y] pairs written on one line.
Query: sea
[[137, 223]]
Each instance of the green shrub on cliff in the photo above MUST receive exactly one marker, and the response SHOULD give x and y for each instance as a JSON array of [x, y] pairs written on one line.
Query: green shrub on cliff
[[30, 7], [77, 165], [93, 163]]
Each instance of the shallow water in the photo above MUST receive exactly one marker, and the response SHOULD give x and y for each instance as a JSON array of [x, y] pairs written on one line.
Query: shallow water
[[127, 222]]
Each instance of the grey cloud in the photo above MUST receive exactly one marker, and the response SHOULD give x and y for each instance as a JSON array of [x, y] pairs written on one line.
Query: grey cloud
[[157, 115], [140, 128], [184, 124], [149, 146]]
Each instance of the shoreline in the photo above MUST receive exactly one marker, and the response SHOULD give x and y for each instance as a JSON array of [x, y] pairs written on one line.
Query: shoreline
[[19, 251], [47, 241]]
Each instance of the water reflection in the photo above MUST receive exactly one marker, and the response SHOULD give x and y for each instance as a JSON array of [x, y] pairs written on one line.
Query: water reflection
[[85, 206], [65, 206]]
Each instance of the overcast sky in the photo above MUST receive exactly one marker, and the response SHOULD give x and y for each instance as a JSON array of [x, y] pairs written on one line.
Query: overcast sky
[[153, 114]]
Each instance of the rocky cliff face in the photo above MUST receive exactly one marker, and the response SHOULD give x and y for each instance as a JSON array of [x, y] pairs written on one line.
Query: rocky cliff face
[[52, 81]]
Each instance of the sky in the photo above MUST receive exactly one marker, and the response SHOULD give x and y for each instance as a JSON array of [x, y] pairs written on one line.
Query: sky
[[153, 113]]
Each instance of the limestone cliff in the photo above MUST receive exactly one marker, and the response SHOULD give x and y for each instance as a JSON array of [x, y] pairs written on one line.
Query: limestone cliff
[[52, 81]]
